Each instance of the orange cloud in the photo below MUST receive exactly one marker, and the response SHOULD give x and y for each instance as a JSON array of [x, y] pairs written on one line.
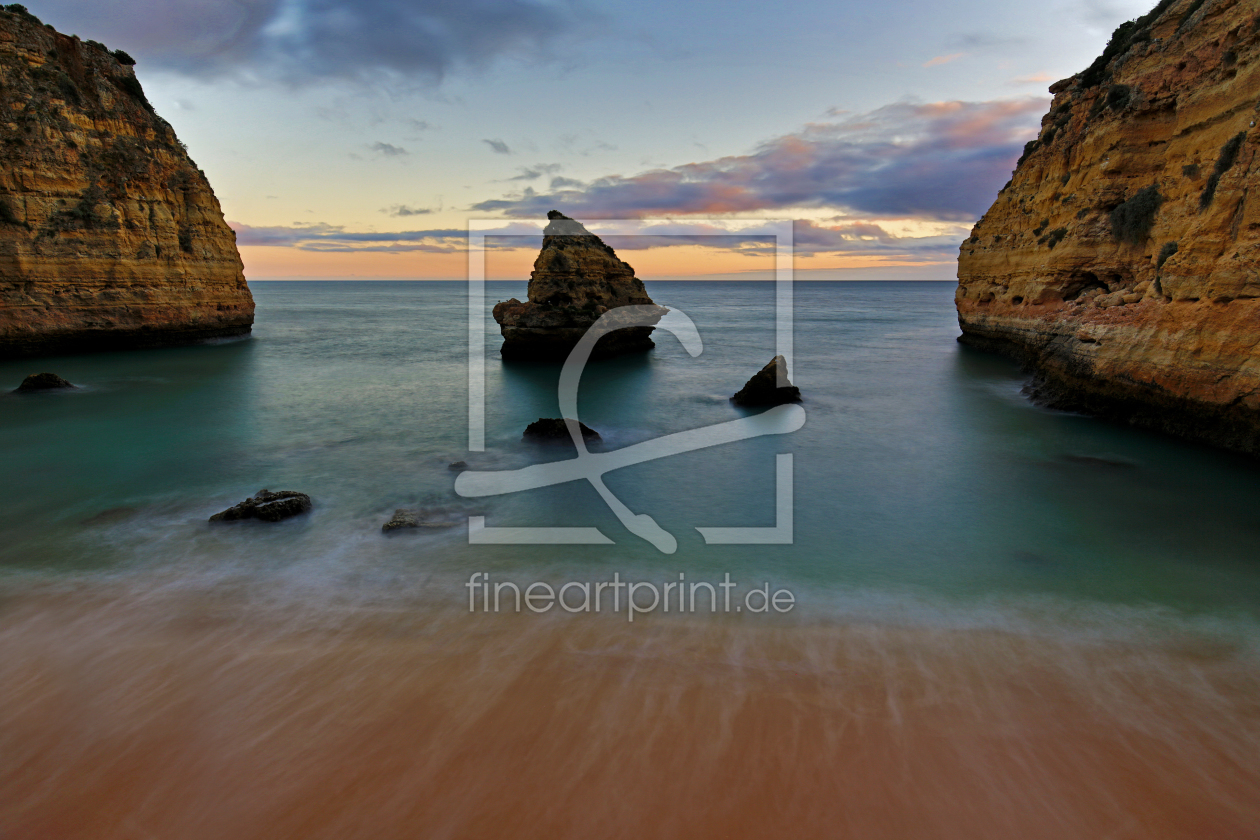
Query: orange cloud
[[942, 59], [1034, 79]]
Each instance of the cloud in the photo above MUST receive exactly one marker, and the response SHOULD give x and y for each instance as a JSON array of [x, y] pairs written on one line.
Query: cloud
[[560, 182], [1034, 79], [498, 146], [308, 41], [534, 172], [388, 149], [942, 59], [405, 210], [325, 237], [976, 41], [943, 160], [853, 238]]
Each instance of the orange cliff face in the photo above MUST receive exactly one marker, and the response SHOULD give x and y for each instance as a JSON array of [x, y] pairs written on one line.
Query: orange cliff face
[[109, 234], [1122, 261]]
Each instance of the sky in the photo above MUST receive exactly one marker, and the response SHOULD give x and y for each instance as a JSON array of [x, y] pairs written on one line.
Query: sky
[[357, 138]]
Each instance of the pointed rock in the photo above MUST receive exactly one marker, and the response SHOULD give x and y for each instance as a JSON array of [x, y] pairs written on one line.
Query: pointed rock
[[764, 388], [576, 279]]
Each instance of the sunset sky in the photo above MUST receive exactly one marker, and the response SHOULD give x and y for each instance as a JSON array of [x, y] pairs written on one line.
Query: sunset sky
[[358, 137]]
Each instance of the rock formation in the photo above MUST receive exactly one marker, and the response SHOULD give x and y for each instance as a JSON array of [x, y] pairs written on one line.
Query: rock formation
[[1122, 261], [42, 382], [267, 506], [576, 278], [769, 386], [555, 430], [109, 234], [405, 518]]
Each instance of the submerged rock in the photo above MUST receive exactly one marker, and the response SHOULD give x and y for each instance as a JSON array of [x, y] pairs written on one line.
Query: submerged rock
[[402, 518], [267, 506], [576, 279], [410, 518], [554, 430], [764, 388], [42, 382], [456, 466]]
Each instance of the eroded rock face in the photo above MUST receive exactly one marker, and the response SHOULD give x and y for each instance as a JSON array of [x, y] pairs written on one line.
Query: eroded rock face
[[764, 387], [576, 278], [1122, 261], [109, 234]]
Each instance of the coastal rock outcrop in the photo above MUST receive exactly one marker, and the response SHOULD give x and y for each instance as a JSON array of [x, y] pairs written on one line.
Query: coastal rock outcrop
[[576, 278], [42, 382], [555, 430], [1122, 261], [765, 388], [267, 506], [110, 236]]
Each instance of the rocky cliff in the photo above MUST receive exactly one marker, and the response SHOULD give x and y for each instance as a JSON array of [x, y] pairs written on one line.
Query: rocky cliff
[[1122, 261], [109, 234], [576, 278]]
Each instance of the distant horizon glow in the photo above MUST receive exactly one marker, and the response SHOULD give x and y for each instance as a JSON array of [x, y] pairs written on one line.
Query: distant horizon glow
[[349, 138]]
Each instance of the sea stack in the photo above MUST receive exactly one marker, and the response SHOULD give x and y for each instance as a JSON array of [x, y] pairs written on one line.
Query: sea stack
[[576, 278], [768, 386], [110, 236], [1122, 261]]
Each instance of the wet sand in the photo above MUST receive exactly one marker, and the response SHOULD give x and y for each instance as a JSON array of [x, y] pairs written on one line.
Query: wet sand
[[163, 715]]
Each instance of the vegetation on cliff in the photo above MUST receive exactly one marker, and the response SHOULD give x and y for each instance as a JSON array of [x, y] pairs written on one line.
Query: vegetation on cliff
[[1122, 260]]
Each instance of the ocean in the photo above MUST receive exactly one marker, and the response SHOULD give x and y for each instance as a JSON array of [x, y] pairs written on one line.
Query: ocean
[[1003, 620]]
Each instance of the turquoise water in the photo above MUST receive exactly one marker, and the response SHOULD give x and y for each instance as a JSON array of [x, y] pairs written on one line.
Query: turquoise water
[[923, 479]]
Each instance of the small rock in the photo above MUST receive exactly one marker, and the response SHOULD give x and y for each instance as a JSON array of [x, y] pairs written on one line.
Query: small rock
[[553, 430], [406, 518], [1141, 288], [267, 506], [457, 465], [763, 388], [110, 515], [1131, 297], [403, 518], [42, 382]]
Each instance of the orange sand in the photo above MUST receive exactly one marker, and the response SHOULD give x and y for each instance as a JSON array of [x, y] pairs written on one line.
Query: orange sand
[[178, 717]]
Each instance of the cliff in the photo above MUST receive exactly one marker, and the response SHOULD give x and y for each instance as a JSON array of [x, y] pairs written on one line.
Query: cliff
[[576, 278], [109, 234], [1122, 261]]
